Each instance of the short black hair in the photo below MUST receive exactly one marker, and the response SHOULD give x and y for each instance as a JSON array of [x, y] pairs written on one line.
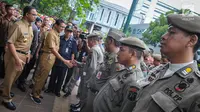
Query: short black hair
[[59, 21], [27, 9], [117, 43], [8, 6]]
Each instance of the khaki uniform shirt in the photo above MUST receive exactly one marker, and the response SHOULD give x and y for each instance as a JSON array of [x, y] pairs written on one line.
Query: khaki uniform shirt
[[52, 40], [5, 25], [21, 35], [119, 92], [179, 92]]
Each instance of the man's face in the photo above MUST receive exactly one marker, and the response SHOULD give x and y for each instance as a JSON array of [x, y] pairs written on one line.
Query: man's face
[[156, 62], [174, 41], [2, 7], [107, 44], [68, 33], [46, 20], [148, 59], [124, 55], [31, 16], [10, 11], [38, 24], [90, 43], [60, 27]]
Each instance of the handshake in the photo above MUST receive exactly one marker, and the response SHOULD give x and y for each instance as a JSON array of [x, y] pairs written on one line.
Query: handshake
[[72, 63]]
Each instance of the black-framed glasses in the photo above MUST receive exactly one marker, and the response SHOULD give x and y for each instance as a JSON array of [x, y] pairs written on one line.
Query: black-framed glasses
[[62, 26], [33, 14]]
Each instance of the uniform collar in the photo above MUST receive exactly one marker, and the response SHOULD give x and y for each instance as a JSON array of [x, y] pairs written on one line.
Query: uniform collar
[[56, 32], [26, 22], [133, 67], [187, 70]]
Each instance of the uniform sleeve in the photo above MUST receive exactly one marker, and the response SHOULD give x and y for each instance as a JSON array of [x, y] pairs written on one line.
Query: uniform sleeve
[[14, 33], [74, 47], [107, 101], [34, 42], [195, 107], [93, 63], [51, 40]]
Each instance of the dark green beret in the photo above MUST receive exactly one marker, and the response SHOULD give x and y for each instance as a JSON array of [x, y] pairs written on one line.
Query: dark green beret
[[133, 42], [93, 35], [190, 23], [115, 34]]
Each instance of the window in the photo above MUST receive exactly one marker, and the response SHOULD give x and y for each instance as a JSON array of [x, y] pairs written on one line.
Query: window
[[124, 21], [91, 16], [109, 17], [145, 6], [102, 14], [158, 12], [116, 19]]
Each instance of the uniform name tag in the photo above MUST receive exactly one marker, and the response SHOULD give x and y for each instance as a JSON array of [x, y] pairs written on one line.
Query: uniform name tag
[[84, 73], [173, 94], [25, 34], [66, 50]]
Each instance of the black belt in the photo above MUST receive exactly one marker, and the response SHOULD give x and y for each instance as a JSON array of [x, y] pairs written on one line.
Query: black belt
[[93, 90], [46, 52], [22, 52]]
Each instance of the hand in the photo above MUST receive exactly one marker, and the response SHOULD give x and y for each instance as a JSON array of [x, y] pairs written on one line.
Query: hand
[[6, 48], [29, 56], [19, 64], [68, 63], [37, 55], [74, 62], [83, 59]]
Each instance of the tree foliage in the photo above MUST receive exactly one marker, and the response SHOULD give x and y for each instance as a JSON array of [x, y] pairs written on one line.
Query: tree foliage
[[157, 28], [64, 9]]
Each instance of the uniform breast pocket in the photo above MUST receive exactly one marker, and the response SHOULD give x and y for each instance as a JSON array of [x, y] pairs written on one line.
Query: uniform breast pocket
[[164, 103], [114, 92], [25, 38]]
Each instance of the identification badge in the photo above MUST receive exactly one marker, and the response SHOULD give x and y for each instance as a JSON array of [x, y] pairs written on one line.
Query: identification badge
[[66, 50], [84, 73], [98, 75]]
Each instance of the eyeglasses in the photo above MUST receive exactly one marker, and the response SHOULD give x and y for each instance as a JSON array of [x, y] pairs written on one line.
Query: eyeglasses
[[33, 14], [62, 26]]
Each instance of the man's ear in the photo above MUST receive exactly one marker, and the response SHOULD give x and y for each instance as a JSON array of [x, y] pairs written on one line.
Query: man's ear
[[193, 40]]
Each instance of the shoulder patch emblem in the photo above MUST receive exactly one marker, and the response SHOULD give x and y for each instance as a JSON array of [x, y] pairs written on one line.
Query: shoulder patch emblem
[[133, 92]]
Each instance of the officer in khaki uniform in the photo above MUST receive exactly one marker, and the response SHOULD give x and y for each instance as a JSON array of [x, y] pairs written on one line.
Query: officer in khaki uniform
[[20, 37], [109, 65], [47, 59], [176, 86], [119, 91]]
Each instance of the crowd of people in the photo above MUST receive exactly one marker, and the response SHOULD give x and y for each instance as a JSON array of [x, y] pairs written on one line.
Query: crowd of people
[[121, 75]]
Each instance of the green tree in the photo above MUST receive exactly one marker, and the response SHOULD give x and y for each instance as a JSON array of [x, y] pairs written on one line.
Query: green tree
[[63, 9], [157, 28]]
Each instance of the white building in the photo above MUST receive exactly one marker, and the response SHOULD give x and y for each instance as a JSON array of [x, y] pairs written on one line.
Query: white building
[[106, 16], [109, 15], [150, 10]]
